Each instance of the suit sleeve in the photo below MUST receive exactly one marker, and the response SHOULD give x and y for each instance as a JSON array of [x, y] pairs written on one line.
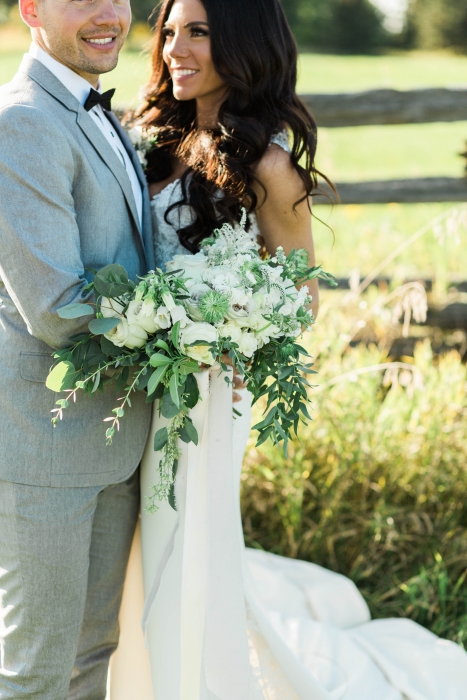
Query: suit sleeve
[[40, 256]]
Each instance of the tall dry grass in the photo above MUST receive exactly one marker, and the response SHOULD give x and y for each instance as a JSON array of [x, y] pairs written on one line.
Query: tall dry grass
[[376, 489]]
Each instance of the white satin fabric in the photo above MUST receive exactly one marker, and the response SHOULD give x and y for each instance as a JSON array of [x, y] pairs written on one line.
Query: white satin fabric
[[234, 624]]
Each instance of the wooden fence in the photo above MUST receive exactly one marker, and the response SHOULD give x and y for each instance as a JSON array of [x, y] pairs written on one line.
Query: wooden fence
[[392, 107]]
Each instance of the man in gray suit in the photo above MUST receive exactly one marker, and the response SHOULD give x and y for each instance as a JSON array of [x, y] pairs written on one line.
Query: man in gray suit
[[73, 197]]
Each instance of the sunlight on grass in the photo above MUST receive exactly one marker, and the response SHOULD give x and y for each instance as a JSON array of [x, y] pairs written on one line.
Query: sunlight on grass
[[375, 489]]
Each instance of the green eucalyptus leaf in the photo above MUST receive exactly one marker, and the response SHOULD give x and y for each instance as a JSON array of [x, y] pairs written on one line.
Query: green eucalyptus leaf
[[111, 281], [94, 354], [143, 380], [162, 344], [191, 391], [109, 349], [175, 333], [99, 326], [159, 360], [160, 439], [156, 377], [173, 387], [76, 311], [169, 409], [191, 431], [62, 377]]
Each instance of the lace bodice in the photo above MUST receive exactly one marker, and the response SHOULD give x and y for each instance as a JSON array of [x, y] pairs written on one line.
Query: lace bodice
[[166, 241]]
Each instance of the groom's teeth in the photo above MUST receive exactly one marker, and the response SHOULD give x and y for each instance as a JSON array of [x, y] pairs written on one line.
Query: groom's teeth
[[101, 41]]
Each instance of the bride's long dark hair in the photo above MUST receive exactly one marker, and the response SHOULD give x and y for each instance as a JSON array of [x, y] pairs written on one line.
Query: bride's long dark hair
[[255, 54]]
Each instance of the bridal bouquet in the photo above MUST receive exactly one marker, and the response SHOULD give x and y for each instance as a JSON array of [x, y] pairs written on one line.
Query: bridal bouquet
[[156, 334]]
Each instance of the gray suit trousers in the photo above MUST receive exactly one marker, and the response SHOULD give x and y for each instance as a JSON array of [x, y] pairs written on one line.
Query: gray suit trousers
[[63, 558]]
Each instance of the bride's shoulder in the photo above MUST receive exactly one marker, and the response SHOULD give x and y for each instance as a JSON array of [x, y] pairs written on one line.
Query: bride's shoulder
[[276, 167], [276, 174]]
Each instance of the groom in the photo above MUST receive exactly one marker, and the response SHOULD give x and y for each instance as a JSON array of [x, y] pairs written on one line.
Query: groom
[[73, 197]]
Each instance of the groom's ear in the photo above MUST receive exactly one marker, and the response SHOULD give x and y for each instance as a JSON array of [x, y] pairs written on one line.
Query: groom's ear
[[29, 12]]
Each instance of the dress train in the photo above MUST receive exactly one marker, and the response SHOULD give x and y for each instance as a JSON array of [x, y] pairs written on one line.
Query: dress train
[[229, 623]]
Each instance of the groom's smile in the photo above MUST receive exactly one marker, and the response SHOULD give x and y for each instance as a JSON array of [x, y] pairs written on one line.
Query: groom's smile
[[102, 42], [84, 35]]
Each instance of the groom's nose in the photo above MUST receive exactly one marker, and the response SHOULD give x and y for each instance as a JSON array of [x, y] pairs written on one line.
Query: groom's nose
[[106, 14]]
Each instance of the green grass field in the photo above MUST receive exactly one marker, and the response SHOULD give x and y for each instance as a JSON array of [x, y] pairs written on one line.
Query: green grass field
[[362, 235]]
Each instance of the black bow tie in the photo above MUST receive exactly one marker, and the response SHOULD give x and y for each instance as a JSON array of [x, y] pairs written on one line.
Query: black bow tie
[[96, 98]]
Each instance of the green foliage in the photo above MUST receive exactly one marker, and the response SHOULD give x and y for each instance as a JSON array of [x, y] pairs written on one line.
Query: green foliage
[[375, 489], [143, 10], [437, 24], [4, 12], [348, 26], [342, 26]]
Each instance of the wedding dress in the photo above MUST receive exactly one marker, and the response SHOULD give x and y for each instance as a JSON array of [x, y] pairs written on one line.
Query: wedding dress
[[227, 623]]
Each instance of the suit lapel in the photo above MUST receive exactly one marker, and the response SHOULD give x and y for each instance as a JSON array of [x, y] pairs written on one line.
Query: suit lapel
[[128, 146], [97, 139], [147, 231]]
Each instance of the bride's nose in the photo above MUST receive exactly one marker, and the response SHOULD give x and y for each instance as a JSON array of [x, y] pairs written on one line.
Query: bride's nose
[[178, 47]]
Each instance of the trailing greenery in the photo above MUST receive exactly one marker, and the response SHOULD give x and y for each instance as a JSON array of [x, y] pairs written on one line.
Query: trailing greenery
[[376, 488]]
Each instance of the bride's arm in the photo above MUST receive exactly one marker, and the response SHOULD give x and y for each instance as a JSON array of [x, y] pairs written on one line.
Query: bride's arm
[[280, 224]]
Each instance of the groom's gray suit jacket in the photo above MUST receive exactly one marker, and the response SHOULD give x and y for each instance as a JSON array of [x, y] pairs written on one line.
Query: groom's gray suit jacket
[[66, 206]]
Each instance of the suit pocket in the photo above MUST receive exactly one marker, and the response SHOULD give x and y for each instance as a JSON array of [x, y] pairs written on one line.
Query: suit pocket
[[35, 366]]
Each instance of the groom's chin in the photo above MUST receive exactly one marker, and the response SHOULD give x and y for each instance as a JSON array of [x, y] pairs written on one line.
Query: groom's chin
[[97, 60]]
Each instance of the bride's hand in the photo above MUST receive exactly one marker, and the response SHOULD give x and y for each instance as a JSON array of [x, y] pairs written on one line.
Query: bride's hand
[[237, 378]]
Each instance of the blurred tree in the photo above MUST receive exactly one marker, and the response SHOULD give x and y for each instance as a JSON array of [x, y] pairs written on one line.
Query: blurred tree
[[437, 24], [345, 26], [142, 9]]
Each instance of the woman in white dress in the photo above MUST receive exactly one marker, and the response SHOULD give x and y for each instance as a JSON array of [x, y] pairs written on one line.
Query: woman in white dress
[[222, 622]]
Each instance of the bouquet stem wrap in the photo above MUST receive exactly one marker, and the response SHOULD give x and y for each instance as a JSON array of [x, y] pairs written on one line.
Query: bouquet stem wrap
[[206, 641]]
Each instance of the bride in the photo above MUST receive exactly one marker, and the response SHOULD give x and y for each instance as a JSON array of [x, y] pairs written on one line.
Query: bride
[[222, 622]]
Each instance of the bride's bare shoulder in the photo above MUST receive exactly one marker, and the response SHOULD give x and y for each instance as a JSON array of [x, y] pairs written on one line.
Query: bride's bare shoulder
[[277, 174]]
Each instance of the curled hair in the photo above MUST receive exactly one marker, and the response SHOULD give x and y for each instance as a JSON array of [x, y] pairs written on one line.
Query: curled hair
[[255, 54]]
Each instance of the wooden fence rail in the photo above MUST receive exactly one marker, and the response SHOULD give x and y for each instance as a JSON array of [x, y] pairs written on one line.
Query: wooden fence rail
[[392, 107], [388, 107], [430, 189]]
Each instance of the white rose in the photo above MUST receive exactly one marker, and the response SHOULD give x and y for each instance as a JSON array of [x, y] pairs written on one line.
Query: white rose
[[162, 317], [242, 306], [128, 335], [191, 266], [179, 314], [142, 313], [196, 332], [111, 308], [230, 330], [247, 344]]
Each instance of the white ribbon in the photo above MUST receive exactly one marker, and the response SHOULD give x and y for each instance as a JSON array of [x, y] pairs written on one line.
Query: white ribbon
[[213, 641]]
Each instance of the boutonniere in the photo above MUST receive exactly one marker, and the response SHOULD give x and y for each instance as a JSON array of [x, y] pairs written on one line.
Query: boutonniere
[[143, 141]]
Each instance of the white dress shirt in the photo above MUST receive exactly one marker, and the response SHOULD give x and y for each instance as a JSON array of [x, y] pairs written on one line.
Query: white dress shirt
[[80, 88]]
